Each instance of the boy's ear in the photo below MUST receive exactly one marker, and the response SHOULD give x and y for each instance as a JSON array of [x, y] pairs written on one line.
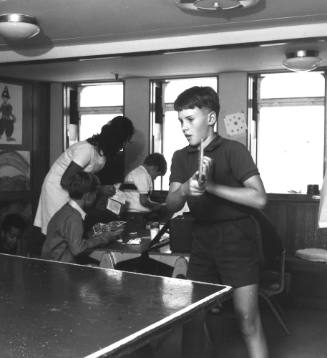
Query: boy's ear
[[212, 118]]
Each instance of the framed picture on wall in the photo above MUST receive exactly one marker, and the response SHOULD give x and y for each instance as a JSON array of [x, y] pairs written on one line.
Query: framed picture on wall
[[11, 114], [15, 168]]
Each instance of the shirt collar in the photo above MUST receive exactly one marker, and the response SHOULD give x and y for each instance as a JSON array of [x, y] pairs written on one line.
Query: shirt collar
[[210, 147], [74, 205]]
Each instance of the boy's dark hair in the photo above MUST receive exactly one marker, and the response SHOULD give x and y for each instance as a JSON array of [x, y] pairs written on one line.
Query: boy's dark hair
[[13, 220], [113, 136], [198, 97], [82, 183], [157, 160]]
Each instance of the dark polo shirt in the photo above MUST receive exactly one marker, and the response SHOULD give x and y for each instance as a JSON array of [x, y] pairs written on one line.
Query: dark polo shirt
[[232, 165]]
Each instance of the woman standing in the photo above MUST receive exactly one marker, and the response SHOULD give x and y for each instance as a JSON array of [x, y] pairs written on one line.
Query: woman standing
[[89, 156]]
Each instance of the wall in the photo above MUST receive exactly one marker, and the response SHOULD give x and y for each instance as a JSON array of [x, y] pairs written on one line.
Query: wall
[[35, 128], [56, 121], [137, 102], [233, 98], [296, 220]]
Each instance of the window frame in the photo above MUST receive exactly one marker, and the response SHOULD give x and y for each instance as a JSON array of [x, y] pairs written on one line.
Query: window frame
[[255, 102], [109, 110]]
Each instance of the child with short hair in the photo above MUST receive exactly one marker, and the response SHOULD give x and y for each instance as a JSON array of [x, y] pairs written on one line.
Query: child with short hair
[[11, 235], [65, 241], [142, 178], [224, 248]]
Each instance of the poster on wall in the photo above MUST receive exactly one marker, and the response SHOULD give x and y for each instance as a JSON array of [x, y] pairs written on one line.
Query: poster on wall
[[235, 124], [15, 169], [11, 114]]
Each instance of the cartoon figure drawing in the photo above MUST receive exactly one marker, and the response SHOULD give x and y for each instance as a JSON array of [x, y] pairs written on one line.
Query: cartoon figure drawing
[[7, 118]]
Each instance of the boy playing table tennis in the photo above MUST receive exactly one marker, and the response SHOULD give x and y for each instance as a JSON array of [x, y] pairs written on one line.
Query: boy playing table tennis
[[224, 248]]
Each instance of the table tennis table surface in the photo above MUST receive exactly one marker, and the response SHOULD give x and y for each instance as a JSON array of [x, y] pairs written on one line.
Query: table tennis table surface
[[53, 309]]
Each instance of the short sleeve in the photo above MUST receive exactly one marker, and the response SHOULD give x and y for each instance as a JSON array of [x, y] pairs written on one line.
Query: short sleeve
[[82, 154], [177, 174], [242, 164]]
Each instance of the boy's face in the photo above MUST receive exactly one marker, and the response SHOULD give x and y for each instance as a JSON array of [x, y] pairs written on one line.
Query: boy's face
[[11, 237], [154, 172], [197, 123]]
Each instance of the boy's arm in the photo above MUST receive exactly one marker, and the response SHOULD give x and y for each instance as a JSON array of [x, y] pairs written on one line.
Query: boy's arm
[[252, 194], [178, 192], [176, 197], [78, 244], [146, 201]]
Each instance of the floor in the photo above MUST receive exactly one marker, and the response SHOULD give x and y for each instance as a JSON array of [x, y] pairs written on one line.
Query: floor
[[308, 338]]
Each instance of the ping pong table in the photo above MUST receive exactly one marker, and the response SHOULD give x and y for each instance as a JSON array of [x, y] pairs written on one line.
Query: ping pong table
[[53, 309]]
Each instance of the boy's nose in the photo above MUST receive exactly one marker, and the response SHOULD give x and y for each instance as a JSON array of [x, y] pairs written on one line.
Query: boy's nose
[[184, 127]]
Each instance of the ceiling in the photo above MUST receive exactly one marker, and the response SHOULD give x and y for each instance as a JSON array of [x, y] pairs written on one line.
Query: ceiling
[[148, 38]]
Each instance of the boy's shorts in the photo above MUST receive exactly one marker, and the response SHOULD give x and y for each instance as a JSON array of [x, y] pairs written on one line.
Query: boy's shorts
[[225, 252]]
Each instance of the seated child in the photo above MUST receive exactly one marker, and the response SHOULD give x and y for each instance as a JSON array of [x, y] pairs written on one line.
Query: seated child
[[11, 235], [138, 186], [65, 241]]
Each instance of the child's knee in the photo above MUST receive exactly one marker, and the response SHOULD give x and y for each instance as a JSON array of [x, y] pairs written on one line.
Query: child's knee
[[249, 324]]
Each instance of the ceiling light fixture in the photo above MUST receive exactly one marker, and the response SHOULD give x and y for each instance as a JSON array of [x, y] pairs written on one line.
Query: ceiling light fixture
[[18, 26], [302, 60], [214, 5]]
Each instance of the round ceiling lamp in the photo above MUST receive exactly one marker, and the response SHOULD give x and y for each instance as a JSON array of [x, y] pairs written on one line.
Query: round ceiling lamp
[[302, 60], [214, 5], [18, 26]]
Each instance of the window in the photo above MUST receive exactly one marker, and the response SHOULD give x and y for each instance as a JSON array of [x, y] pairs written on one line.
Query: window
[[166, 132], [97, 104], [287, 131]]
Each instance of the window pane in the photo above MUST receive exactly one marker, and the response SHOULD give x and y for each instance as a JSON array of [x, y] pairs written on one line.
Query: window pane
[[174, 87], [92, 123], [288, 85], [107, 94], [291, 147]]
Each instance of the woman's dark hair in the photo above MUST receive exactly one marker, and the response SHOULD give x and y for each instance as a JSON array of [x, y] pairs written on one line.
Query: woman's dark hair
[[113, 136], [198, 97], [82, 183]]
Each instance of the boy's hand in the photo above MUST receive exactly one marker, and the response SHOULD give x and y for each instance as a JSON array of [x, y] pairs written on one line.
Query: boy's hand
[[108, 190], [196, 185], [111, 235], [206, 169]]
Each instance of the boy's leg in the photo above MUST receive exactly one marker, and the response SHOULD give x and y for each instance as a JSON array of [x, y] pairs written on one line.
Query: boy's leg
[[247, 310]]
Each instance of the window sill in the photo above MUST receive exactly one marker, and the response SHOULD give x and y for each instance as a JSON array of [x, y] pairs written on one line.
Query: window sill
[[293, 197]]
